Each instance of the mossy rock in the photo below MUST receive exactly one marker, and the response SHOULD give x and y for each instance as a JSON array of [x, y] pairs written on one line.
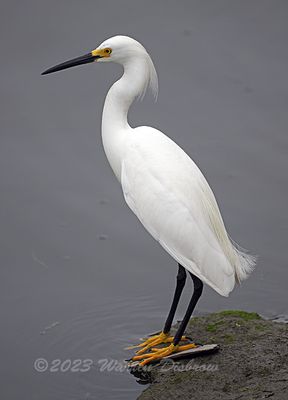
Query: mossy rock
[[251, 363]]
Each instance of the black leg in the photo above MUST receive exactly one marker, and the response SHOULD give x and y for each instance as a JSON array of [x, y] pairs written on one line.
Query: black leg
[[181, 278], [198, 287]]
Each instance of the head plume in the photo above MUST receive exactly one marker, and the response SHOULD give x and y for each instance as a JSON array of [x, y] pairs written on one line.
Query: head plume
[[123, 49]]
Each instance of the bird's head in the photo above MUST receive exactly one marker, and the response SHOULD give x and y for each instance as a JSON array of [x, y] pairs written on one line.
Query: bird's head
[[118, 49]]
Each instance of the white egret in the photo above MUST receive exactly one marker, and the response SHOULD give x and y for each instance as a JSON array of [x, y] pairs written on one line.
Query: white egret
[[165, 189]]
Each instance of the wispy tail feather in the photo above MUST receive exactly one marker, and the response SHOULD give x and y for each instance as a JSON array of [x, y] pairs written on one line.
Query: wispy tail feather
[[244, 263]]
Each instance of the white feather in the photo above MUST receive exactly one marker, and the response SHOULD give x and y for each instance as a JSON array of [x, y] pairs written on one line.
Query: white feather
[[162, 185], [172, 199]]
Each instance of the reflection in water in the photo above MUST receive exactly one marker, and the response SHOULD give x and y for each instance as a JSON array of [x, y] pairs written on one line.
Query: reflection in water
[[142, 374]]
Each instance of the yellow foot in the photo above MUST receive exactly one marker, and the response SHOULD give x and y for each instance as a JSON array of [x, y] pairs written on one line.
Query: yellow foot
[[154, 341], [158, 354]]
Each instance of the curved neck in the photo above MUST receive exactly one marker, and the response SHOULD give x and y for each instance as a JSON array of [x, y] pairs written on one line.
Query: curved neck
[[115, 127], [121, 95]]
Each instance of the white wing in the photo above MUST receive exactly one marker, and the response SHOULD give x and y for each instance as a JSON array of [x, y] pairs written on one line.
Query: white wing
[[172, 199]]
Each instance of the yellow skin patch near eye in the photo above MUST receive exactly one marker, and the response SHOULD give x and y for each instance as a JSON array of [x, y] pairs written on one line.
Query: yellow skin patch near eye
[[102, 52]]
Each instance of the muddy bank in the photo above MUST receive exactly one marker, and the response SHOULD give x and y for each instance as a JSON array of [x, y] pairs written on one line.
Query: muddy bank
[[251, 363]]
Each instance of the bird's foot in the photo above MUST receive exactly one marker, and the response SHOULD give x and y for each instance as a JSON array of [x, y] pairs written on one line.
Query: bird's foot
[[158, 354], [154, 341]]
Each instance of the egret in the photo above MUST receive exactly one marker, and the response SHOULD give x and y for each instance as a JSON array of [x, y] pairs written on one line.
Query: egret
[[166, 191]]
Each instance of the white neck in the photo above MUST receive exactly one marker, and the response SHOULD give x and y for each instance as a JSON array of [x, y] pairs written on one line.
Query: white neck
[[115, 126]]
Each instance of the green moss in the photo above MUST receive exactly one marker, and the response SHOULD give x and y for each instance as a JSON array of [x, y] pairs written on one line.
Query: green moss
[[260, 327], [211, 328], [247, 316], [228, 338]]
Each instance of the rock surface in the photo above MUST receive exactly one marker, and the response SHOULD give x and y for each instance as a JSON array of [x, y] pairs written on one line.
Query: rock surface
[[252, 362]]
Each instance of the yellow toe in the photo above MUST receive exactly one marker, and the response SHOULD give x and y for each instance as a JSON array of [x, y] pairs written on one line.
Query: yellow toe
[[159, 354], [153, 341]]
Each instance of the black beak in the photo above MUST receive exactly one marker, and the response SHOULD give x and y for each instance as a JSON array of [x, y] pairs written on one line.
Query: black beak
[[87, 58]]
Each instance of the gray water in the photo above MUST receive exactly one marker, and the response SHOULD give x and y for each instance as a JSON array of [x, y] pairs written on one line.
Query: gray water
[[80, 277]]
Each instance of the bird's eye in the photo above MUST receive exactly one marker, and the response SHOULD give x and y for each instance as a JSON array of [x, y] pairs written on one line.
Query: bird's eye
[[108, 51]]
